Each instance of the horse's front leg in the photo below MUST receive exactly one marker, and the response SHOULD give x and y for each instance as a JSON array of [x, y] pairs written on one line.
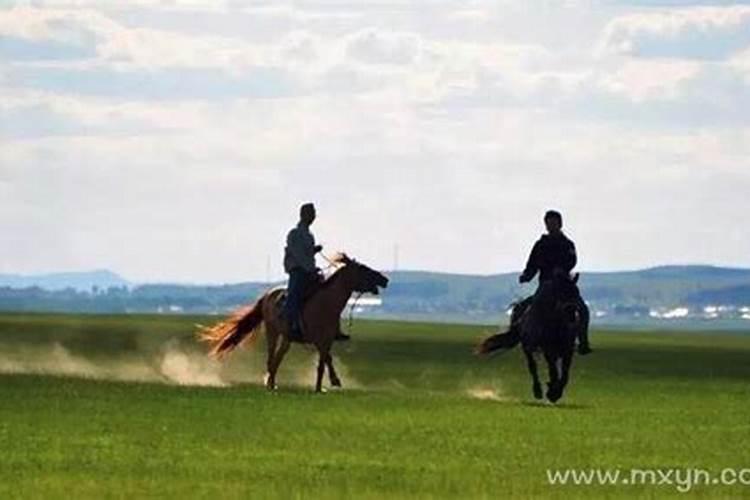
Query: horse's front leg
[[554, 391], [567, 361], [531, 363], [332, 376]]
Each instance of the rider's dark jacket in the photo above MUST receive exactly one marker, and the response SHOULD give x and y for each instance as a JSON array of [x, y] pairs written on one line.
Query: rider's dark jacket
[[549, 253]]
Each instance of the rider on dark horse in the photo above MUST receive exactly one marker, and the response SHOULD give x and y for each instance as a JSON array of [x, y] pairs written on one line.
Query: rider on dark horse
[[299, 264], [554, 256]]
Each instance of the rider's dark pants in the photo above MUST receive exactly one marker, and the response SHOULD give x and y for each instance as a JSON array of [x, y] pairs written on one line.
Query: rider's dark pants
[[299, 280]]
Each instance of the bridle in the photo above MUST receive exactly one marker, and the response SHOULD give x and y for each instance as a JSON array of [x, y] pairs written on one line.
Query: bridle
[[332, 264], [563, 308], [352, 307]]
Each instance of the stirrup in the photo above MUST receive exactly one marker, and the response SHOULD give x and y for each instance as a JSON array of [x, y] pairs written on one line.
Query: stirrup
[[295, 334]]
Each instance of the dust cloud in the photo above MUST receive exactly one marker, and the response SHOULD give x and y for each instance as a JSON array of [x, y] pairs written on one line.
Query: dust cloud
[[171, 365], [171, 362], [488, 393]]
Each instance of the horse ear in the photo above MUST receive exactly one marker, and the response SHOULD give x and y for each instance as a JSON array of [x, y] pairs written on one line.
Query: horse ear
[[345, 258]]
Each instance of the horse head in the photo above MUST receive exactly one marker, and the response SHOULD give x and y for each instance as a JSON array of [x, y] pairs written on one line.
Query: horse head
[[568, 300], [366, 279]]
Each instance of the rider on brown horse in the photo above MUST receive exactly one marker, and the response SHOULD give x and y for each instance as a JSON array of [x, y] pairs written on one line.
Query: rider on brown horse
[[554, 254], [299, 263]]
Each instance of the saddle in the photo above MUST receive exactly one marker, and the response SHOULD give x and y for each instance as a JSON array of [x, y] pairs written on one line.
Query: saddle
[[313, 287]]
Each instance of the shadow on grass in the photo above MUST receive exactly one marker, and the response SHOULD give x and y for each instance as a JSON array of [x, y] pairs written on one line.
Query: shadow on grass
[[555, 406]]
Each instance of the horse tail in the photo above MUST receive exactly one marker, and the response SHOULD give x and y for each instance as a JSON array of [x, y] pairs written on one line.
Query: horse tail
[[226, 335], [511, 338], [506, 340]]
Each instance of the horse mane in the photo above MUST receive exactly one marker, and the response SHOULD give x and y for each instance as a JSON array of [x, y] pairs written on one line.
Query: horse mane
[[339, 260]]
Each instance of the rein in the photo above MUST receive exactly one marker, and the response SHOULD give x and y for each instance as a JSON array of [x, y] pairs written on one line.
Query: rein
[[352, 307]]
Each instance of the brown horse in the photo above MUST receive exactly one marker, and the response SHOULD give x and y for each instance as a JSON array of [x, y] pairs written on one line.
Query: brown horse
[[320, 319]]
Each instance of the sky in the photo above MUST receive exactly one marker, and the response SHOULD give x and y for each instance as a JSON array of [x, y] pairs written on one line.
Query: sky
[[175, 140]]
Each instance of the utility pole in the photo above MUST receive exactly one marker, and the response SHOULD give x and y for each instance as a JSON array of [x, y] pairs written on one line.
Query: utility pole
[[268, 269]]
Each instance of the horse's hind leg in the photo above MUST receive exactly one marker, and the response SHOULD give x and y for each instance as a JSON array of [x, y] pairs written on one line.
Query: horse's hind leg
[[531, 363], [321, 370], [272, 339], [332, 376], [278, 358]]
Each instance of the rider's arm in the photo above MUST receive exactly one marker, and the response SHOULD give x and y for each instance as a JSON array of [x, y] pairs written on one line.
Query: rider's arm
[[532, 265], [570, 259]]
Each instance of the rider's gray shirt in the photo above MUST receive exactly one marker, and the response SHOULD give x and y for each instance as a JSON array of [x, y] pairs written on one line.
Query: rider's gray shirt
[[300, 249]]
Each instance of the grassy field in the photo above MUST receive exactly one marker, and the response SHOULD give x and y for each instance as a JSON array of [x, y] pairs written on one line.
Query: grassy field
[[134, 409]]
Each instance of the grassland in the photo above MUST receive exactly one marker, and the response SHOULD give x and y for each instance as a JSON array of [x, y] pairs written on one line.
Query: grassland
[[92, 407]]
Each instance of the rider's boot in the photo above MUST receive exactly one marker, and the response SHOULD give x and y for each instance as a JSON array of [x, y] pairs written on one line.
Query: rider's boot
[[583, 334], [342, 337], [295, 331]]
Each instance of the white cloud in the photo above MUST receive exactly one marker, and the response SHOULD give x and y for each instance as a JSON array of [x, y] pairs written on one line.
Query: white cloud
[[741, 63], [377, 47], [176, 142], [111, 41], [690, 33], [213, 5], [642, 80]]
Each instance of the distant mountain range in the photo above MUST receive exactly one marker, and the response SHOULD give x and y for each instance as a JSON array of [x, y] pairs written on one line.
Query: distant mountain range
[[81, 281], [667, 293]]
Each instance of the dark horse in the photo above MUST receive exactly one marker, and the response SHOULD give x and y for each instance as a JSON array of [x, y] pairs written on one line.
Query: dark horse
[[548, 322]]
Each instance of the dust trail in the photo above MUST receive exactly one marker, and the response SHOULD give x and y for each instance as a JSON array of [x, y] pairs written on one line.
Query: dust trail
[[488, 393], [189, 369], [169, 366], [55, 359], [305, 374], [172, 361]]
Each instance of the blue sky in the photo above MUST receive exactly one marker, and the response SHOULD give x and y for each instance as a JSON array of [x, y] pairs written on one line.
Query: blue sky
[[174, 140]]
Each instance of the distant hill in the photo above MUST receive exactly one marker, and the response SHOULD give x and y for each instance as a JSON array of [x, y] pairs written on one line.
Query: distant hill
[[663, 286], [80, 281], [674, 293], [643, 293]]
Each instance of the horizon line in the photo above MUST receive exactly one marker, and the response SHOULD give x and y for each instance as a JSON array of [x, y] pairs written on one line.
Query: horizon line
[[424, 271]]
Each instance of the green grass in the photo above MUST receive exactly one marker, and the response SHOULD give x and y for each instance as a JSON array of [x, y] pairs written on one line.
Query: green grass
[[410, 423]]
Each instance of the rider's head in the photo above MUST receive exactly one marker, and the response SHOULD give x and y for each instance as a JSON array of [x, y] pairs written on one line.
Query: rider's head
[[553, 221], [307, 213]]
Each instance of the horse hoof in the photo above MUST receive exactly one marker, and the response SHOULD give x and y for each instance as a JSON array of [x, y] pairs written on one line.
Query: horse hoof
[[538, 392], [269, 383], [336, 383], [554, 395]]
